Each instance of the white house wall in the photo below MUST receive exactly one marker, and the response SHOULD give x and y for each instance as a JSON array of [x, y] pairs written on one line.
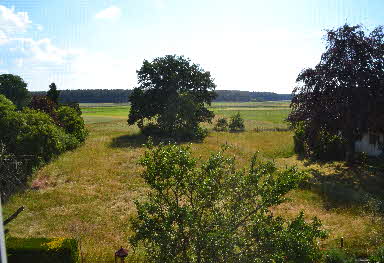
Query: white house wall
[[365, 146]]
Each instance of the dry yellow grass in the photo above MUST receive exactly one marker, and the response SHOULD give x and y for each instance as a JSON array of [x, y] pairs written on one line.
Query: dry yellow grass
[[88, 193]]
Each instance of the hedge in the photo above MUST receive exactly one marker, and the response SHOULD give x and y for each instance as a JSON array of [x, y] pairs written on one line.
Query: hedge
[[42, 250]]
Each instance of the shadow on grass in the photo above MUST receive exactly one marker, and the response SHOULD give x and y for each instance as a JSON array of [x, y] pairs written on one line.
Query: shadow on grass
[[350, 186], [129, 141], [138, 140]]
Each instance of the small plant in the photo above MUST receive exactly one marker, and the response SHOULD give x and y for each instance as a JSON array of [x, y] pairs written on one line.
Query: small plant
[[221, 125], [236, 123], [377, 256], [337, 256]]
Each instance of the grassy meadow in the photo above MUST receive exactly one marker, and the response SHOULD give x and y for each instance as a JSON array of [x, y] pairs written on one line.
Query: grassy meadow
[[88, 193]]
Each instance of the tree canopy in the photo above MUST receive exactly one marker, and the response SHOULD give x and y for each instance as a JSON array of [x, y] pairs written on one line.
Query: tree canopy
[[14, 88], [53, 93], [343, 95], [172, 96]]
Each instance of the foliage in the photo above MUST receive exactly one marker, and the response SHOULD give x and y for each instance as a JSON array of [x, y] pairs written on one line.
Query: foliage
[[121, 95], [172, 95], [13, 173], [215, 213], [324, 147], [6, 105], [42, 250], [15, 89], [72, 122], [337, 256], [73, 105], [221, 125], [45, 104], [33, 133], [53, 94], [236, 123], [344, 94], [377, 256]]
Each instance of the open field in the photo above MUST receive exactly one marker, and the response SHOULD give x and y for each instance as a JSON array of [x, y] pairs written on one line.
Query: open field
[[89, 193]]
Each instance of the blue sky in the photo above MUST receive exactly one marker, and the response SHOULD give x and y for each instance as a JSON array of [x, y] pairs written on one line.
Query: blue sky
[[245, 44]]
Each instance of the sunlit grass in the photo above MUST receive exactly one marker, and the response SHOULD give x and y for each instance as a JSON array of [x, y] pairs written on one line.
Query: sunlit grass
[[89, 193]]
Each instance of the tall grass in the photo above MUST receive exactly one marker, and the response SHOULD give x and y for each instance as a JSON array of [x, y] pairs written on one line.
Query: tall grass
[[89, 193]]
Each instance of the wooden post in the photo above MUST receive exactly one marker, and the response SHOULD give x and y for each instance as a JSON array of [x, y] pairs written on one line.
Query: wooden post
[[342, 242]]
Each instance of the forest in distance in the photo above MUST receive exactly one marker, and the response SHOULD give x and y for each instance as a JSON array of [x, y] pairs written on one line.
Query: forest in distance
[[121, 95]]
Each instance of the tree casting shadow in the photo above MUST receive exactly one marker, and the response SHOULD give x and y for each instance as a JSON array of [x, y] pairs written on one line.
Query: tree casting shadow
[[138, 140], [350, 186]]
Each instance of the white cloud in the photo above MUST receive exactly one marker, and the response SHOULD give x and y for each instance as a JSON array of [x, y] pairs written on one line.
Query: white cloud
[[39, 27], [101, 71], [12, 23], [43, 50], [159, 4], [19, 62], [110, 13]]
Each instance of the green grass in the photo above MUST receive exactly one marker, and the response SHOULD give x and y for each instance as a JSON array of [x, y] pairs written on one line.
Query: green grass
[[88, 193]]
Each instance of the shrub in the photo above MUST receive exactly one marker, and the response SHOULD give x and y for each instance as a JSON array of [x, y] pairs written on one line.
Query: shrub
[[72, 122], [377, 256], [337, 256], [321, 146], [34, 133], [236, 123], [215, 213], [44, 104], [221, 125], [6, 105], [41, 250]]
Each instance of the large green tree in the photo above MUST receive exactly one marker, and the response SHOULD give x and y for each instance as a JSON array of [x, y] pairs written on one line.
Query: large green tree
[[342, 97], [172, 96], [14, 88]]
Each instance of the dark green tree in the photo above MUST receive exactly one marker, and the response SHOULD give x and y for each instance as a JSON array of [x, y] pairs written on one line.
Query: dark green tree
[[236, 123], [172, 97], [216, 213], [53, 93], [342, 97], [221, 125], [14, 88]]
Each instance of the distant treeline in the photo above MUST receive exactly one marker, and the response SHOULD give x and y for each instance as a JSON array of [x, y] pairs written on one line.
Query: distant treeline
[[121, 96]]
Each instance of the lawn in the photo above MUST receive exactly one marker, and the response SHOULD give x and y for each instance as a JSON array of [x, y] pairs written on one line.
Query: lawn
[[88, 193]]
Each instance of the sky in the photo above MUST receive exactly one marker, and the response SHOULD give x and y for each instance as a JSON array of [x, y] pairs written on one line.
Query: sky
[[254, 45]]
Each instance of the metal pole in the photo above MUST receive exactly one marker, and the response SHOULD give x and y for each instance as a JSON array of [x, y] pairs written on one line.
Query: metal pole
[[3, 254]]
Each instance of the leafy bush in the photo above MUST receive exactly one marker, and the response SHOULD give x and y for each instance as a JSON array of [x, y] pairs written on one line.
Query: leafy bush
[[6, 105], [215, 213], [337, 256], [33, 133], [41, 250], [321, 145], [44, 104], [72, 122], [236, 123], [377, 256], [221, 125]]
